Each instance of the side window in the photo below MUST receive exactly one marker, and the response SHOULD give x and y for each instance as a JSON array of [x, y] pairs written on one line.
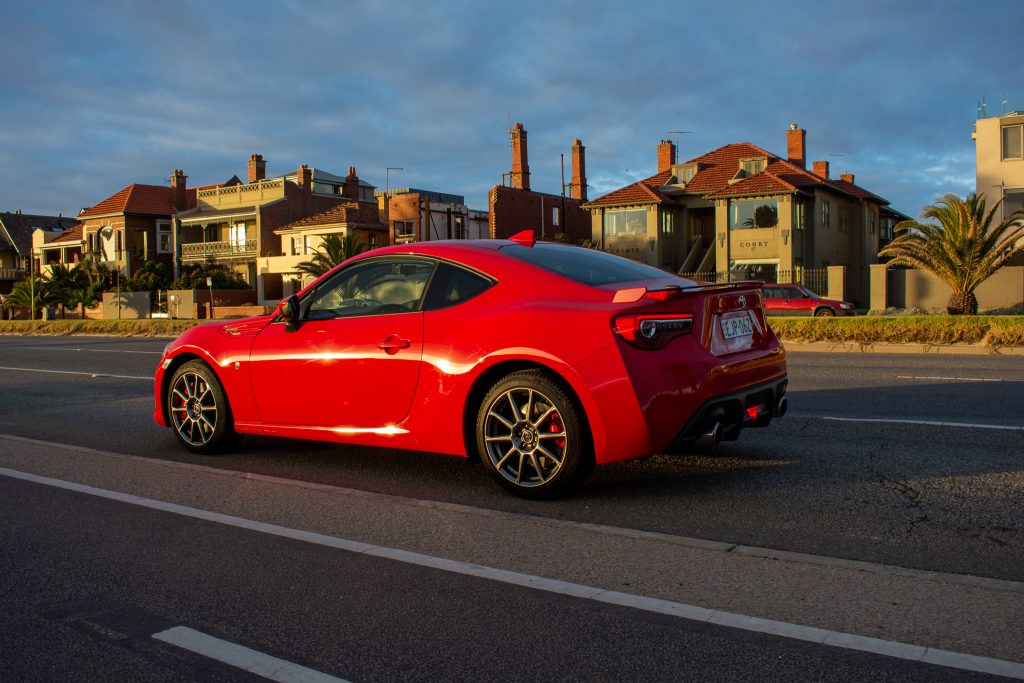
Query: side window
[[793, 293], [373, 287], [453, 285], [772, 293]]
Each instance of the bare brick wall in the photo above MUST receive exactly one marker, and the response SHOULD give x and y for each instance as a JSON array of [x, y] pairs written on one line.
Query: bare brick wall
[[513, 210]]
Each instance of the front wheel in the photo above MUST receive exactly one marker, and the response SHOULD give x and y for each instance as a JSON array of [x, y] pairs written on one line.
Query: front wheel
[[531, 438], [199, 410], [824, 312]]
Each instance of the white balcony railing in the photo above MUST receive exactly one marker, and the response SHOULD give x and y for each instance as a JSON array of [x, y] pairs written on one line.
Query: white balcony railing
[[12, 273], [202, 250]]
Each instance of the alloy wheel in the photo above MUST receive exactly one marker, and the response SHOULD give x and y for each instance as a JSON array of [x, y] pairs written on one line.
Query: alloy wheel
[[525, 437], [194, 409]]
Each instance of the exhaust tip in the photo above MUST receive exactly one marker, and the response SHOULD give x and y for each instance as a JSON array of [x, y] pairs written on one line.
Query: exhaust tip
[[781, 406], [711, 437]]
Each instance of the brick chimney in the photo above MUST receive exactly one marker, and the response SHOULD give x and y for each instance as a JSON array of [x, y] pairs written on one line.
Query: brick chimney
[[305, 178], [257, 168], [848, 177], [520, 165], [578, 185], [352, 184], [821, 168], [666, 155], [796, 142], [178, 179]]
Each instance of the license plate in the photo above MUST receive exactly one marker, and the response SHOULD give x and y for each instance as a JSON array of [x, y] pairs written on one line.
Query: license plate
[[736, 327]]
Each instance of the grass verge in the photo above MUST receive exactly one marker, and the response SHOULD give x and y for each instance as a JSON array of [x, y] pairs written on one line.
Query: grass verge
[[116, 328], [992, 331]]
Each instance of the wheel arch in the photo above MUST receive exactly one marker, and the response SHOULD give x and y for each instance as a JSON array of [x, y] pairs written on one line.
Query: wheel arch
[[487, 379]]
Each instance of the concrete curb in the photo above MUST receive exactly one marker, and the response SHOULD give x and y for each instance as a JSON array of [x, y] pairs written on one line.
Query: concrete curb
[[932, 349]]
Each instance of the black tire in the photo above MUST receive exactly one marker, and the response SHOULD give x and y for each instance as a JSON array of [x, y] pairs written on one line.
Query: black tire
[[824, 312], [198, 410], [531, 438]]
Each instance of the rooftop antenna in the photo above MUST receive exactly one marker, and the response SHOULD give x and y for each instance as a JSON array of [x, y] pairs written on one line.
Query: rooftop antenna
[[1005, 102], [984, 108], [677, 133]]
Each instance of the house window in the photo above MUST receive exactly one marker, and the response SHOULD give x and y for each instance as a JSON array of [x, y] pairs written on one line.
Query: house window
[[844, 219], [163, 237], [554, 216], [1013, 200], [871, 223], [237, 236], [404, 230], [1012, 148], [798, 216], [307, 245], [753, 213], [753, 166], [826, 213], [92, 242], [625, 222], [668, 223], [296, 246]]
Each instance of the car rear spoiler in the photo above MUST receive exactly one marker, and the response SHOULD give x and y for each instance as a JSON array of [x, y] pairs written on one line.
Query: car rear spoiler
[[632, 294]]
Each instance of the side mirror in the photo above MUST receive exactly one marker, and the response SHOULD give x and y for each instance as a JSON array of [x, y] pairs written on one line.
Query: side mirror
[[288, 309]]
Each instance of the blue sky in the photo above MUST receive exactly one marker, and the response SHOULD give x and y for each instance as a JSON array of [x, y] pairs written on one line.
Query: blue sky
[[101, 94]]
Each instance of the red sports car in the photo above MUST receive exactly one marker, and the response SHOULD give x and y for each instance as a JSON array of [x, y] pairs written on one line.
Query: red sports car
[[540, 359]]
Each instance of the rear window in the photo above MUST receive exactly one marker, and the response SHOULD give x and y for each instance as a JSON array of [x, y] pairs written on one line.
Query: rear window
[[589, 266]]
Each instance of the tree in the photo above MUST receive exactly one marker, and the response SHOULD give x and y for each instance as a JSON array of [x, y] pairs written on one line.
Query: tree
[[152, 277], [333, 250], [195, 278], [30, 295], [963, 247], [68, 285]]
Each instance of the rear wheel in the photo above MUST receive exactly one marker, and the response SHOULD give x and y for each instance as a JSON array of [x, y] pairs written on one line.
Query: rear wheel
[[531, 438], [199, 410], [824, 312]]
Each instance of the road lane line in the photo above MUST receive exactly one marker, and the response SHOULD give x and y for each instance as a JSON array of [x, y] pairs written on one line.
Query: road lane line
[[916, 653], [69, 348], [959, 379], [929, 423], [72, 372], [242, 657]]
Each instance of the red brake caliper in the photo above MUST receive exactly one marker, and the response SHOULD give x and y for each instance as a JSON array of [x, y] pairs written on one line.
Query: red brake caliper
[[554, 427]]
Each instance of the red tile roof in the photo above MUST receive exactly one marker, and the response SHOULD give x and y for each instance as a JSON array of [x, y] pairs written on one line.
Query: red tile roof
[[364, 214], [72, 234], [718, 167], [153, 200]]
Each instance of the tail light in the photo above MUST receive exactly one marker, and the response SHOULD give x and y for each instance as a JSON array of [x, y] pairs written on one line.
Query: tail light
[[652, 331]]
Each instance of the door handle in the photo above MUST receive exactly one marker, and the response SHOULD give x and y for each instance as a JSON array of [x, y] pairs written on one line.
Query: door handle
[[393, 344]]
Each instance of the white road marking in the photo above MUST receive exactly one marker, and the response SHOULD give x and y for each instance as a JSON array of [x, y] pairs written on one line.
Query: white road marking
[[72, 372], [69, 348], [929, 423], [917, 653], [242, 657], [959, 379]]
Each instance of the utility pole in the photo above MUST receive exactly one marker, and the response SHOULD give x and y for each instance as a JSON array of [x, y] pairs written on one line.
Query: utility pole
[[387, 200], [31, 288]]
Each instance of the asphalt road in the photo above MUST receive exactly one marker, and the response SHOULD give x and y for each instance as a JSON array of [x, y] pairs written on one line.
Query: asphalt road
[[88, 583], [902, 492]]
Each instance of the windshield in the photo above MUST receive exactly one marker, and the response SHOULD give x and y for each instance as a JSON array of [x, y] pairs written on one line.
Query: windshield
[[589, 266]]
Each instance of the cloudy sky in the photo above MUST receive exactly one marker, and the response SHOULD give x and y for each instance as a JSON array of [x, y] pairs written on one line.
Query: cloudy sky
[[101, 94]]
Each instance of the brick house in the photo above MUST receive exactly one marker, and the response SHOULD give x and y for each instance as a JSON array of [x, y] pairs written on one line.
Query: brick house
[[16, 231], [133, 226], [415, 215], [515, 207], [235, 225], [300, 238], [742, 212]]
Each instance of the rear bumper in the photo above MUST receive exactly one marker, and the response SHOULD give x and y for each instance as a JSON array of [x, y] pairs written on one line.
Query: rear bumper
[[722, 417]]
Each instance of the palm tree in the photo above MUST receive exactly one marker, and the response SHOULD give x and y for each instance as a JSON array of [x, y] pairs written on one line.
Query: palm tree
[[333, 250], [30, 295], [68, 284], [964, 248]]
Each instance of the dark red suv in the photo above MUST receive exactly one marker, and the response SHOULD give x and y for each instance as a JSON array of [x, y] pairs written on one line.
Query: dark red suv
[[798, 300]]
